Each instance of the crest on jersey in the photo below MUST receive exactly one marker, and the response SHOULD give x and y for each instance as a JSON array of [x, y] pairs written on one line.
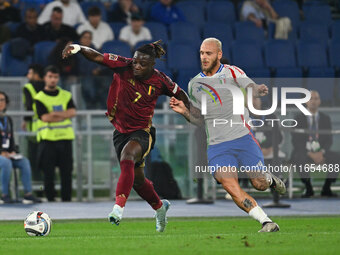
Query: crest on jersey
[[113, 57], [210, 91], [131, 81], [151, 90]]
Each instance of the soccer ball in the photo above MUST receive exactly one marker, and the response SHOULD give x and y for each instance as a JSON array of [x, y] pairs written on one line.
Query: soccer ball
[[37, 224]]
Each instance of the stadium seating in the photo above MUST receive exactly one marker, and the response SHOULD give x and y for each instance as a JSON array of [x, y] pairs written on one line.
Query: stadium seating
[[12, 26], [86, 5], [335, 30], [248, 56], [42, 51], [288, 8], [116, 27], [117, 47], [184, 76], [334, 53], [158, 31], [321, 72], [288, 72], [185, 32], [314, 31], [221, 31], [194, 11], [221, 11], [146, 7], [161, 65], [280, 55], [141, 43], [248, 31], [182, 56], [313, 56], [317, 12], [11, 66], [325, 87]]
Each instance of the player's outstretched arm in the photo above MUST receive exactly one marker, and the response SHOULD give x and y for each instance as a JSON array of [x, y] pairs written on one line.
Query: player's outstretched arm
[[87, 52], [182, 106], [258, 91]]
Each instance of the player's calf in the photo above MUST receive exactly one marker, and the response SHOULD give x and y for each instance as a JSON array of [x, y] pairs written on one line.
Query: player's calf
[[260, 183]]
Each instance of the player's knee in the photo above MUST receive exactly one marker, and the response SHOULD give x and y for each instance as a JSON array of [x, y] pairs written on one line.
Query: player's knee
[[128, 156]]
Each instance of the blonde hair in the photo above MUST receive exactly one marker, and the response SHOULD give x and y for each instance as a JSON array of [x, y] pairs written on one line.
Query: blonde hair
[[214, 40]]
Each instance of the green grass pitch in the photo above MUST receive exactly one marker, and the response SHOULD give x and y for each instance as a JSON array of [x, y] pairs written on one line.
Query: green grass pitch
[[232, 235]]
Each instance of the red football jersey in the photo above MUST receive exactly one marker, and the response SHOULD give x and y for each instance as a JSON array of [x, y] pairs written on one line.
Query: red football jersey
[[130, 102]]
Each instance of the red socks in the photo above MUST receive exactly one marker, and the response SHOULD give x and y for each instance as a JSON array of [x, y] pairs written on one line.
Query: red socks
[[148, 193], [125, 182]]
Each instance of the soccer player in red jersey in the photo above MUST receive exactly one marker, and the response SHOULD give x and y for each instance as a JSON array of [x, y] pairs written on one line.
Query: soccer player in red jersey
[[131, 101]]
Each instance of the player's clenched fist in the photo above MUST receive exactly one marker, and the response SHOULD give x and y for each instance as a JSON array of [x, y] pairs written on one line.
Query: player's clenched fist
[[70, 49]]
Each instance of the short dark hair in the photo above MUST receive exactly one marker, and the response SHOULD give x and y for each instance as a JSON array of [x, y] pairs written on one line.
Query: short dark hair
[[94, 11], [52, 69], [57, 9], [6, 99], [153, 49], [136, 16], [84, 32], [38, 69], [31, 9]]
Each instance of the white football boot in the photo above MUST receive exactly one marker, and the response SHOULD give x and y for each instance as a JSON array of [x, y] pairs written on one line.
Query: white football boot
[[116, 215], [160, 215], [269, 227], [279, 185]]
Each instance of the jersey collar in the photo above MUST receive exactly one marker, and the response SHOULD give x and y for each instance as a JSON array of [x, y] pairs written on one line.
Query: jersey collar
[[218, 71]]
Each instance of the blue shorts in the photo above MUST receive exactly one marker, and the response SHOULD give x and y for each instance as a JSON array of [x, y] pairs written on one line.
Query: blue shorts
[[243, 152]]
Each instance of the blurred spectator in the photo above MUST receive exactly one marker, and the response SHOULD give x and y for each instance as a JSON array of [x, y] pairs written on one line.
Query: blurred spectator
[[35, 84], [166, 12], [9, 158], [86, 67], [5, 35], [92, 77], [67, 67], [55, 108], [30, 29], [8, 13], [73, 13], [85, 38], [314, 148], [122, 11], [55, 29], [108, 3], [261, 13], [101, 31], [135, 32]]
